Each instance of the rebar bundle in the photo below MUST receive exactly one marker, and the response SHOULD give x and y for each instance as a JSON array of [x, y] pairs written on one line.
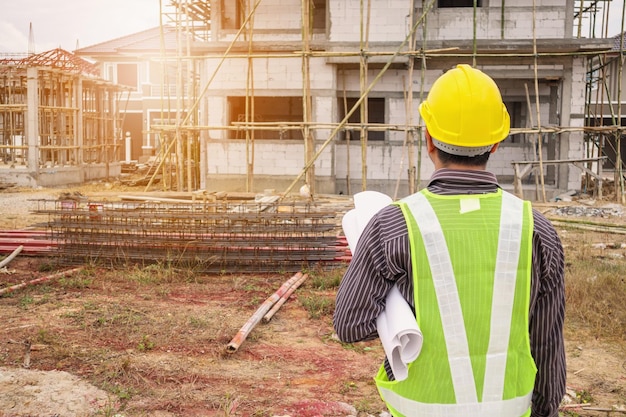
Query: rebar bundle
[[209, 237]]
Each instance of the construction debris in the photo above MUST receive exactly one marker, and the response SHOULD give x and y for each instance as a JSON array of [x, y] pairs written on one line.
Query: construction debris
[[281, 294]]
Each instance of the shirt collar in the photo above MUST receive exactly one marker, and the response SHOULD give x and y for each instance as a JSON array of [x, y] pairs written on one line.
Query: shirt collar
[[453, 178]]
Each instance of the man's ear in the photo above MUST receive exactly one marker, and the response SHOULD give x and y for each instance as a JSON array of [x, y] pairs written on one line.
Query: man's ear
[[430, 146], [494, 147]]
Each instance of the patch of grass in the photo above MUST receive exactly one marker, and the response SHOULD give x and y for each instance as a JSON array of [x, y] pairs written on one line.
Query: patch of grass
[[595, 290], [121, 392], [228, 405], [159, 273], [368, 406], [145, 344], [46, 267], [198, 322], [76, 281], [26, 301], [45, 337], [317, 306], [110, 409], [96, 316], [324, 280]]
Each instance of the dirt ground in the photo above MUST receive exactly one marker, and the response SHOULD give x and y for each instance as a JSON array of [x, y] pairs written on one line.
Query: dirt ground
[[152, 342]]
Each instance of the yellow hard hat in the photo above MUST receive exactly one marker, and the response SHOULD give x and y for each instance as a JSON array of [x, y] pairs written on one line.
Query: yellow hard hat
[[464, 112]]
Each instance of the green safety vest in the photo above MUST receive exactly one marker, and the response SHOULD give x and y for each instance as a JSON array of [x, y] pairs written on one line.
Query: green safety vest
[[471, 279]]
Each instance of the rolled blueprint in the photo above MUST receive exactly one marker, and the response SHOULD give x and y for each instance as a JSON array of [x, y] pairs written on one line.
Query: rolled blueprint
[[397, 328], [399, 334]]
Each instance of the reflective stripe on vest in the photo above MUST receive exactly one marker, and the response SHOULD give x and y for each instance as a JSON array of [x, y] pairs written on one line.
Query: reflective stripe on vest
[[513, 407], [467, 403]]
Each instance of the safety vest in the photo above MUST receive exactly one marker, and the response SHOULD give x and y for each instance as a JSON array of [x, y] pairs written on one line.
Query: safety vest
[[471, 279]]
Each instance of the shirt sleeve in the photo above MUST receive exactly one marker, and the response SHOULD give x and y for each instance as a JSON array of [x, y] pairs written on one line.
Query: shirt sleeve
[[546, 319], [364, 286]]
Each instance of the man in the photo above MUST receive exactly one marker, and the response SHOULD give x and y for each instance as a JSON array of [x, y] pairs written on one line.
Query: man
[[482, 270]]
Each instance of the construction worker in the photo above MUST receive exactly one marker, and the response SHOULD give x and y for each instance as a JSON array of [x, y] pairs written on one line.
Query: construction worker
[[482, 271]]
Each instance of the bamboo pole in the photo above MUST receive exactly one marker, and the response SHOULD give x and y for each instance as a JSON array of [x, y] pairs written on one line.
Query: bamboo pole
[[363, 69], [530, 115], [619, 183], [243, 333], [189, 90], [345, 110], [474, 37], [249, 112], [587, 225], [405, 145], [268, 316], [409, 135], [309, 140], [420, 138], [179, 104], [12, 256], [539, 138], [39, 280]]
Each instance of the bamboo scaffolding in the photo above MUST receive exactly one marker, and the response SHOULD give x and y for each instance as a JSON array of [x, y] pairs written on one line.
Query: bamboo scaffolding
[[619, 180], [536, 79], [196, 103], [250, 111], [363, 109], [358, 102], [309, 140], [307, 49]]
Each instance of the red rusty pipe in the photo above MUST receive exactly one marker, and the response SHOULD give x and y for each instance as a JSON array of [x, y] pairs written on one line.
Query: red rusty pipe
[[258, 315], [268, 316], [39, 280]]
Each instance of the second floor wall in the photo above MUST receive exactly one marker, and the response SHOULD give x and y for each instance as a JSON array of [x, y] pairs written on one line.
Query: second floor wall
[[391, 20]]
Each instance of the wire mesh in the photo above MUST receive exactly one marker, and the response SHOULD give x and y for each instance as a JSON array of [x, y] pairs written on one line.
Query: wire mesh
[[207, 236]]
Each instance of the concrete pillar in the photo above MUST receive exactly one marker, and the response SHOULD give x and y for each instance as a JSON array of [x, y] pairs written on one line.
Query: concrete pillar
[[79, 123], [32, 119], [127, 147]]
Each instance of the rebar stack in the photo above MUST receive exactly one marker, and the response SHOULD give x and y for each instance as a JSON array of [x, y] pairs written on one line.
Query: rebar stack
[[209, 237]]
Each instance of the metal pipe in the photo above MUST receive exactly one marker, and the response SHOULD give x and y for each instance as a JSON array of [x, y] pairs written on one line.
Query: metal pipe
[[258, 315], [9, 258], [39, 280], [268, 316]]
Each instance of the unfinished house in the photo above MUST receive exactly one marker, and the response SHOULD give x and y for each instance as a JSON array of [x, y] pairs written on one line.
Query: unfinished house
[[59, 122], [604, 134], [275, 94]]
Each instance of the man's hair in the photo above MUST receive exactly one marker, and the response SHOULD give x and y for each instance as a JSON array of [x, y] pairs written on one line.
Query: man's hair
[[469, 161]]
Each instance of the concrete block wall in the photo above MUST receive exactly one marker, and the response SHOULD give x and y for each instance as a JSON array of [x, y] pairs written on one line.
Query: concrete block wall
[[278, 15], [450, 23], [271, 158], [389, 21], [276, 75], [384, 162]]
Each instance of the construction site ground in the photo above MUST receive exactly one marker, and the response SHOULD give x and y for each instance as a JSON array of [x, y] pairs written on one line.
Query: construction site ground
[[152, 341]]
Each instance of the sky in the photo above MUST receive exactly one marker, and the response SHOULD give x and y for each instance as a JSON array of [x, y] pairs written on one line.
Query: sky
[[63, 23]]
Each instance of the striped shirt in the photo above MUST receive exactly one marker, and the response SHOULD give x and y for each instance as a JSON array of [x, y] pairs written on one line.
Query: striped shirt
[[382, 259]]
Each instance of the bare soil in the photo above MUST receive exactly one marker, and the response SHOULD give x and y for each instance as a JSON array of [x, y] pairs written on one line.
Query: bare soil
[[152, 342]]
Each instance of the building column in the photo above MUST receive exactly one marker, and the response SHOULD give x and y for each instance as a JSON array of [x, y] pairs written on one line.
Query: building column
[[32, 119]]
